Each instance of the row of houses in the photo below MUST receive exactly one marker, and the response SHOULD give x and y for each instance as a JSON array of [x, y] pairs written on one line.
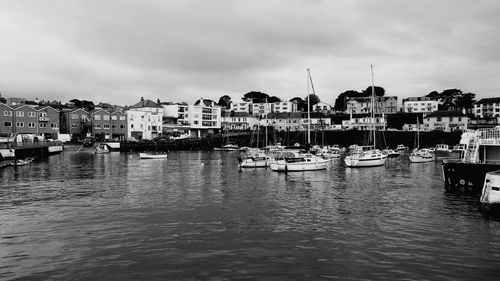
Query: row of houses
[[148, 120]]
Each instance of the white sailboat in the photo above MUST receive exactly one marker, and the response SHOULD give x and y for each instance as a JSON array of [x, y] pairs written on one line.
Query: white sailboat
[[371, 156], [302, 161], [421, 155]]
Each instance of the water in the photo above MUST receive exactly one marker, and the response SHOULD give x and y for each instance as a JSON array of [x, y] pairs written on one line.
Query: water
[[195, 216]]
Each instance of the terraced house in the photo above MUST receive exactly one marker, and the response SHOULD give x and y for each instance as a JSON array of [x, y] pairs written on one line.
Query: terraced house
[[29, 119]]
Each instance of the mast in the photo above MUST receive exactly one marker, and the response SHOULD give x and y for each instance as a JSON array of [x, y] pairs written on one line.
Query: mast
[[266, 126], [372, 110], [309, 81]]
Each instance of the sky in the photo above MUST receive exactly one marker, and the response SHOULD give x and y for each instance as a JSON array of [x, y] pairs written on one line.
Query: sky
[[117, 51]]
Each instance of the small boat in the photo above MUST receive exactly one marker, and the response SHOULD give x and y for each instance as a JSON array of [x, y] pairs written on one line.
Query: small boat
[[299, 162], [490, 195], [391, 152], [259, 160], [22, 162], [152, 156], [227, 147], [422, 155], [401, 147], [101, 149]]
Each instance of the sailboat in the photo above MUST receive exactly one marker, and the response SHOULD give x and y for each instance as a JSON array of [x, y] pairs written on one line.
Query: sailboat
[[421, 155], [367, 156], [228, 146], [297, 161]]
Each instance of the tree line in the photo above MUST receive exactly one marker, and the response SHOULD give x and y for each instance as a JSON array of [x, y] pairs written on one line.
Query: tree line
[[450, 99]]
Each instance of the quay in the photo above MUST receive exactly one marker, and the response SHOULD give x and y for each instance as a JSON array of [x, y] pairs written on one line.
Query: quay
[[20, 150]]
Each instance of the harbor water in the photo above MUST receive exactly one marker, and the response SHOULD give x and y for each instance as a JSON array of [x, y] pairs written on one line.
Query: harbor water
[[197, 216]]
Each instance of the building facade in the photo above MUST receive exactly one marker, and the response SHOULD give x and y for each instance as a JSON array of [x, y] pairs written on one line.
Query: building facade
[[385, 105], [145, 120], [26, 119], [77, 122], [420, 105], [488, 107], [446, 121]]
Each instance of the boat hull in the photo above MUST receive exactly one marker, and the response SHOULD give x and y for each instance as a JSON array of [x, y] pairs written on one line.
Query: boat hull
[[152, 156], [420, 159], [249, 163], [298, 167], [462, 177], [353, 162]]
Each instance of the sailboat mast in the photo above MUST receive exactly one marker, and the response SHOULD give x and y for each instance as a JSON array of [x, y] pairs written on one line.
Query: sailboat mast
[[266, 125], [373, 110], [309, 81]]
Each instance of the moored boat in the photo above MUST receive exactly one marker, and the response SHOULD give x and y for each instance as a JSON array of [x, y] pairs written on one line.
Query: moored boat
[[101, 148], [422, 156], [490, 195], [299, 162], [143, 155], [481, 156]]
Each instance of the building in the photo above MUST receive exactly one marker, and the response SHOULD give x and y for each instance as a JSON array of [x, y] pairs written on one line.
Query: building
[[365, 122], [145, 120], [283, 106], [360, 105], [77, 122], [291, 121], [27, 119], [48, 122], [319, 121], [446, 121], [204, 117], [241, 121], [261, 109], [322, 107], [119, 125], [242, 106], [488, 107], [420, 105]]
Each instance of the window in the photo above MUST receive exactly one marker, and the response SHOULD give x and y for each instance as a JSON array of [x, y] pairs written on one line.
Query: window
[[74, 116], [97, 117], [53, 125], [43, 125], [97, 126], [438, 119], [106, 126], [7, 113], [31, 125], [105, 117], [19, 113], [113, 126], [31, 114], [122, 126], [20, 124], [74, 125], [7, 124], [131, 126], [114, 117]]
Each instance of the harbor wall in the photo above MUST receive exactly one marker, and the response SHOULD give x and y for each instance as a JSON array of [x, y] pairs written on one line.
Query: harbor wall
[[342, 138]]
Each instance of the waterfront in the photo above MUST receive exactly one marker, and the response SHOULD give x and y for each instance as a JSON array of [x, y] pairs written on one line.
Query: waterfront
[[196, 216]]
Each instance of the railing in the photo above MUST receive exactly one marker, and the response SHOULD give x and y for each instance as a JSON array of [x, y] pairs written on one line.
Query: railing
[[43, 119], [489, 134]]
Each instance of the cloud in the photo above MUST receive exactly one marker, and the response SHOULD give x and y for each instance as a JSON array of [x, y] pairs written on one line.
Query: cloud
[[118, 51]]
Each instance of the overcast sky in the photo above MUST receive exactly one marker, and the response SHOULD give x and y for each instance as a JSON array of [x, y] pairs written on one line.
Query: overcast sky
[[119, 51]]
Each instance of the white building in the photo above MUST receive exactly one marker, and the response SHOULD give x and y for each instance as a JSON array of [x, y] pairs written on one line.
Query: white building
[[238, 121], [488, 107], [367, 123], [199, 119], [284, 106], [322, 107], [420, 105], [145, 120], [446, 121], [242, 106]]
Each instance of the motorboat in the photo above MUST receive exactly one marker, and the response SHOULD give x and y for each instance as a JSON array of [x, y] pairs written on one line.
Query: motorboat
[[22, 162], [422, 155], [227, 147], [143, 155], [490, 195], [482, 155], [299, 162], [401, 147], [257, 160], [101, 148]]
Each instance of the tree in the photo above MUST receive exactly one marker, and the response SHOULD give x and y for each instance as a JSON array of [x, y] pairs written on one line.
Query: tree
[[340, 102], [225, 101], [273, 99], [379, 91], [301, 104], [466, 101], [313, 99], [256, 97]]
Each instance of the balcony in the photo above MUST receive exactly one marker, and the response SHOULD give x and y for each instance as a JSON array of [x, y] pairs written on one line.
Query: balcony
[[43, 119]]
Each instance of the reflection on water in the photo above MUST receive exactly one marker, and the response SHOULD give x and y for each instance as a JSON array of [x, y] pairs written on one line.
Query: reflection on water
[[196, 216]]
